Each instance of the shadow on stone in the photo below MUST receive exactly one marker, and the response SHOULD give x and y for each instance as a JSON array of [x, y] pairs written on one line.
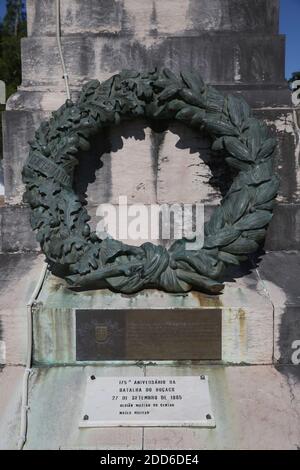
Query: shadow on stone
[[105, 144]]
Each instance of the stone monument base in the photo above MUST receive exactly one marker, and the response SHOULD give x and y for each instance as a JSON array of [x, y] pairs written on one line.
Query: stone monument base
[[97, 325]]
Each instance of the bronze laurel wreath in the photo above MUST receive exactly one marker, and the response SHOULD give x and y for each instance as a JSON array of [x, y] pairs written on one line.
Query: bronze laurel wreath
[[236, 228]]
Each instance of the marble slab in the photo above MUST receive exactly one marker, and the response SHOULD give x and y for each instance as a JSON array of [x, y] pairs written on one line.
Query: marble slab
[[147, 401]]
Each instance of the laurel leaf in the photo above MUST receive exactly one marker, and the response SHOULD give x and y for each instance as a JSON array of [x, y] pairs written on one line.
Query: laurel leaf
[[257, 219], [186, 114], [198, 117], [266, 191], [237, 149], [267, 148], [236, 204], [254, 138], [171, 75], [253, 176], [245, 109], [214, 100], [193, 81], [162, 83], [176, 105], [168, 93], [242, 246], [223, 238], [237, 164], [199, 281], [262, 172], [235, 111], [268, 206], [191, 97], [220, 127], [228, 258], [216, 221], [257, 235], [218, 144]]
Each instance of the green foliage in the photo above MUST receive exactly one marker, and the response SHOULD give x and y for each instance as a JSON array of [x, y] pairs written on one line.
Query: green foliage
[[295, 76], [12, 29], [14, 22]]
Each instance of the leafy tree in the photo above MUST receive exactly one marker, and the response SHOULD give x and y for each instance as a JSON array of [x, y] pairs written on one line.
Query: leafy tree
[[12, 29], [295, 76]]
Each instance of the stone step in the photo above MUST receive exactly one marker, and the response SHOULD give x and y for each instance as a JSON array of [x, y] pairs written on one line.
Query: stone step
[[221, 58], [169, 17]]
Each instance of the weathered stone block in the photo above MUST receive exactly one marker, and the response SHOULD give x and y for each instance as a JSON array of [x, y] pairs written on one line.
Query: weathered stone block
[[18, 276], [280, 274], [59, 384], [18, 129], [11, 379], [247, 317], [261, 95], [219, 58], [121, 165], [254, 407], [35, 100], [17, 234], [150, 18], [284, 229], [148, 166], [283, 127]]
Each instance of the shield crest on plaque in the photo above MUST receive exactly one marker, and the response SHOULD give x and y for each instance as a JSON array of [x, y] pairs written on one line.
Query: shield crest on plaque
[[101, 333]]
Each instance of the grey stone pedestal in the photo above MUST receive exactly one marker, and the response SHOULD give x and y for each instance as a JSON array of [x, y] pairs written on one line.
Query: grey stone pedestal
[[236, 46], [246, 329]]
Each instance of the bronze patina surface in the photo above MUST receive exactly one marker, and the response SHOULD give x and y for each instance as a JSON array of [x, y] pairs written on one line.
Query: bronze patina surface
[[236, 228], [156, 334]]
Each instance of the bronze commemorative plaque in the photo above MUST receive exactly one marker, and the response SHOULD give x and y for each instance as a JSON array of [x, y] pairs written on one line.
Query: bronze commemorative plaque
[[156, 334]]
